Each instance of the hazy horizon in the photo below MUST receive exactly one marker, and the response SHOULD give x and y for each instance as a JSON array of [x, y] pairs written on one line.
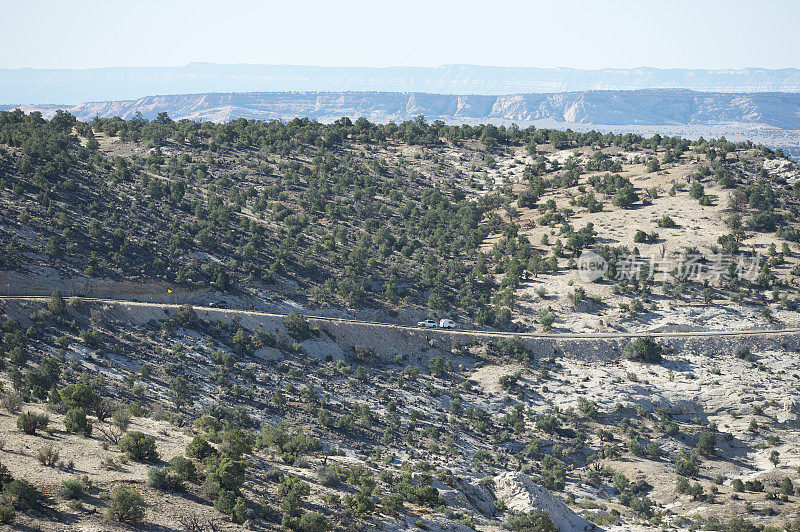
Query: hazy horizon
[[75, 86], [408, 66], [715, 34]]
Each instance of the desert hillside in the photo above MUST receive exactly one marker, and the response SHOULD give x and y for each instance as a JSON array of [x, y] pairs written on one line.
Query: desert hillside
[[213, 326], [393, 222]]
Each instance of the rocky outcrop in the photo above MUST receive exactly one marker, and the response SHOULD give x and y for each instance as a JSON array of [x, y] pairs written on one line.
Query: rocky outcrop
[[521, 494]]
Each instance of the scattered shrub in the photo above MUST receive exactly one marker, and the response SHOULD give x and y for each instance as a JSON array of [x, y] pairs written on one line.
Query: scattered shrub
[[230, 502], [547, 423], [535, 521], [73, 488], [754, 485], [121, 418], [224, 473], [7, 514], [163, 478], [516, 348], [78, 395], [11, 402], [686, 467], [30, 422], [139, 447], [236, 442], [20, 494], [184, 468], [393, 503], [48, 455], [313, 522], [126, 506], [199, 448], [297, 326], [76, 421], [707, 444], [667, 222], [643, 349], [554, 473]]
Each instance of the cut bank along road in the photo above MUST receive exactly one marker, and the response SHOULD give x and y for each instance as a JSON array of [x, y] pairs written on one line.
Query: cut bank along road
[[453, 332]]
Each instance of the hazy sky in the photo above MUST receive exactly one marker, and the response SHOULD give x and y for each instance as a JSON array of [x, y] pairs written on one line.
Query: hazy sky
[[569, 33]]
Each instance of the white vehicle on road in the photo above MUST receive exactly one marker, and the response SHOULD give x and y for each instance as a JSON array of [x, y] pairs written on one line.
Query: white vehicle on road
[[447, 324], [427, 323]]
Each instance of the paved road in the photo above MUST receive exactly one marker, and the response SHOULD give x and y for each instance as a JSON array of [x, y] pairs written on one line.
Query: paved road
[[454, 332]]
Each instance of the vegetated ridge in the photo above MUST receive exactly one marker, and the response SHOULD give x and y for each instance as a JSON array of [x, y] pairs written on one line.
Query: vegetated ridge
[[768, 118]]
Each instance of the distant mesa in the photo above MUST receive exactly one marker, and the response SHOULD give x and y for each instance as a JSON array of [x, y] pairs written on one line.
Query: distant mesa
[[651, 107], [29, 86]]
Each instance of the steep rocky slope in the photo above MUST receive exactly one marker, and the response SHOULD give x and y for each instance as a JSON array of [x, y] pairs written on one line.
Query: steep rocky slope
[[439, 435]]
